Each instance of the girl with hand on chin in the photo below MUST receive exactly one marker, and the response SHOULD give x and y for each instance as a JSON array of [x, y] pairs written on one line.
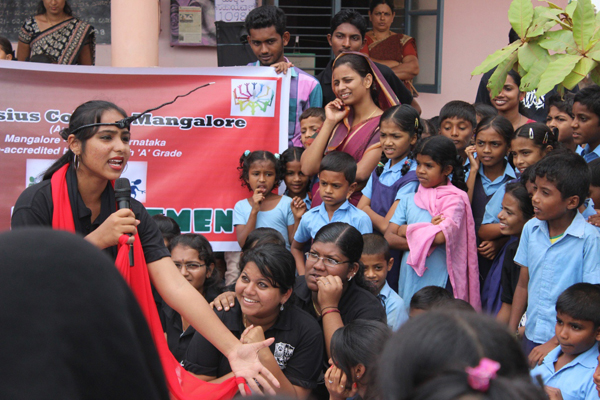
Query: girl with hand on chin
[[77, 195], [352, 120]]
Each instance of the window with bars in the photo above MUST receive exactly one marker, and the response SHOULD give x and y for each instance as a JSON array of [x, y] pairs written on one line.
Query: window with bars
[[308, 22]]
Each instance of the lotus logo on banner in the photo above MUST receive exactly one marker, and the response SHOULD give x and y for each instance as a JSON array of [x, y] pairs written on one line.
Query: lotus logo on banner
[[253, 99]]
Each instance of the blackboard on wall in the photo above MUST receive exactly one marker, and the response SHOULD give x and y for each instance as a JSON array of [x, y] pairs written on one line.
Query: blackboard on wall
[[95, 12]]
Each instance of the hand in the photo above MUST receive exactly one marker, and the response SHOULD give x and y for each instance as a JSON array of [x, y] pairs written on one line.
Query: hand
[[488, 249], [470, 150], [245, 364], [336, 111], [256, 199], [282, 67], [225, 300], [118, 223], [402, 230], [553, 393], [537, 355], [595, 219], [253, 334], [330, 291], [438, 219], [298, 207], [335, 381]]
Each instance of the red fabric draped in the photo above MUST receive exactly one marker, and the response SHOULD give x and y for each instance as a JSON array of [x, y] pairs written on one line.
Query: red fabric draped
[[182, 385]]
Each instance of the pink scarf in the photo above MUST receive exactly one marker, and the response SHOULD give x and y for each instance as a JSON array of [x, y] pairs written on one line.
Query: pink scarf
[[458, 228]]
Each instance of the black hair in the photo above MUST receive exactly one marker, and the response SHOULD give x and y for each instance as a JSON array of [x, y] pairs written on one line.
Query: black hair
[[266, 16], [435, 121], [88, 113], [275, 263], [43, 58], [262, 236], [205, 253], [247, 159], [293, 153], [541, 135], [454, 384], [562, 104], [519, 192], [483, 110], [594, 166], [406, 118], [359, 342], [461, 110], [589, 97], [513, 36], [429, 127], [351, 17], [568, 172], [443, 152], [350, 242], [376, 244], [316, 112], [430, 297], [339, 161], [456, 305], [41, 9], [581, 301], [362, 67], [167, 226], [436, 341], [500, 125], [6, 46], [528, 175], [375, 3]]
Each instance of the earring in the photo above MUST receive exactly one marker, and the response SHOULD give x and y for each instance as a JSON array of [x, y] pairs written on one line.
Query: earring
[[281, 307], [349, 279], [76, 161]]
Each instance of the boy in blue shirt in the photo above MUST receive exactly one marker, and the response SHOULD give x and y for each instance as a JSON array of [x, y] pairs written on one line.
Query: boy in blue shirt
[[337, 175], [557, 249], [567, 371], [586, 122], [458, 121], [377, 261]]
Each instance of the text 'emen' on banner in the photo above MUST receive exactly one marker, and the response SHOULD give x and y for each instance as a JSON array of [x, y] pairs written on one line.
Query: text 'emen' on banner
[[184, 157]]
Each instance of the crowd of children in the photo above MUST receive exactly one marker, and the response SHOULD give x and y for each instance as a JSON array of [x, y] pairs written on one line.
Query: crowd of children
[[386, 216]]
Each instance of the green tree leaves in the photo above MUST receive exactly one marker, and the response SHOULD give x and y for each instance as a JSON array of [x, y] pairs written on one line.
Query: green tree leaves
[[557, 47]]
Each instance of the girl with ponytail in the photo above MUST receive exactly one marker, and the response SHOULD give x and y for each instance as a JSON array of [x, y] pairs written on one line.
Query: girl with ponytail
[[399, 129], [435, 227]]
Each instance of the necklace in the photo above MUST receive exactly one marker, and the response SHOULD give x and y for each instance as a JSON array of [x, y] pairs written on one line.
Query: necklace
[[354, 123], [50, 21]]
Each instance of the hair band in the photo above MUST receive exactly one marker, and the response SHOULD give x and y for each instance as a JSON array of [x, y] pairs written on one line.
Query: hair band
[[380, 164], [416, 123], [276, 156], [545, 138], [246, 153], [531, 133], [479, 377]]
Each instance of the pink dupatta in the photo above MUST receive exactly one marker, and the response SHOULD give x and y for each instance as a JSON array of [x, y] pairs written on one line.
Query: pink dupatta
[[461, 245]]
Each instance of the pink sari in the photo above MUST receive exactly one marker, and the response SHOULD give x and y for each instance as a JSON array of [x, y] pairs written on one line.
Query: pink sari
[[362, 138]]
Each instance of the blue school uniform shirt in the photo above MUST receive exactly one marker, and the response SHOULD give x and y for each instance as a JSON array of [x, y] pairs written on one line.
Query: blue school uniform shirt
[[490, 187], [573, 258], [587, 154], [575, 380], [395, 309], [390, 175], [279, 218], [317, 217], [436, 273]]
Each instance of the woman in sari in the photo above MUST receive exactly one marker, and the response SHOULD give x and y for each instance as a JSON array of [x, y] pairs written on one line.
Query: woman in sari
[[55, 32], [397, 51], [352, 119]]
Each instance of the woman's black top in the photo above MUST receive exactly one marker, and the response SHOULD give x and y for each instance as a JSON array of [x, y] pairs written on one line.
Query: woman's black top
[[298, 347], [34, 207]]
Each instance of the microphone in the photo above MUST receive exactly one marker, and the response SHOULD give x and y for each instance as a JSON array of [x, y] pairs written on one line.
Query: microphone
[[123, 198]]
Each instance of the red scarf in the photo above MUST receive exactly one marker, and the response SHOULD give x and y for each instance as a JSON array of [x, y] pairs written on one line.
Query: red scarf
[[182, 385]]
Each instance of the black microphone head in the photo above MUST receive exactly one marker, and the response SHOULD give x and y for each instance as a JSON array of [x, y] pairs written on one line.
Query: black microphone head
[[122, 189]]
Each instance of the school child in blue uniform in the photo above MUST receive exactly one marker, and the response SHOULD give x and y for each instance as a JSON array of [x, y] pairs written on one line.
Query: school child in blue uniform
[[557, 249], [400, 127]]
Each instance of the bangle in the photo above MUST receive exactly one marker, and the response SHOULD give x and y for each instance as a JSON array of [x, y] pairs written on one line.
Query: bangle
[[325, 308], [330, 311]]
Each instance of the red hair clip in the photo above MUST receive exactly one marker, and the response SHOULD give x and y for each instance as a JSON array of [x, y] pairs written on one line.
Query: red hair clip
[[480, 376]]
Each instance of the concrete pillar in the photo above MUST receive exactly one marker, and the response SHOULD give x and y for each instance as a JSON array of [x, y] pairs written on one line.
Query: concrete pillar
[[135, 26]]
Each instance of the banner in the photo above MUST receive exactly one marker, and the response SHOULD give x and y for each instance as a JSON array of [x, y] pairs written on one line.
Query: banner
[[184, 157]]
